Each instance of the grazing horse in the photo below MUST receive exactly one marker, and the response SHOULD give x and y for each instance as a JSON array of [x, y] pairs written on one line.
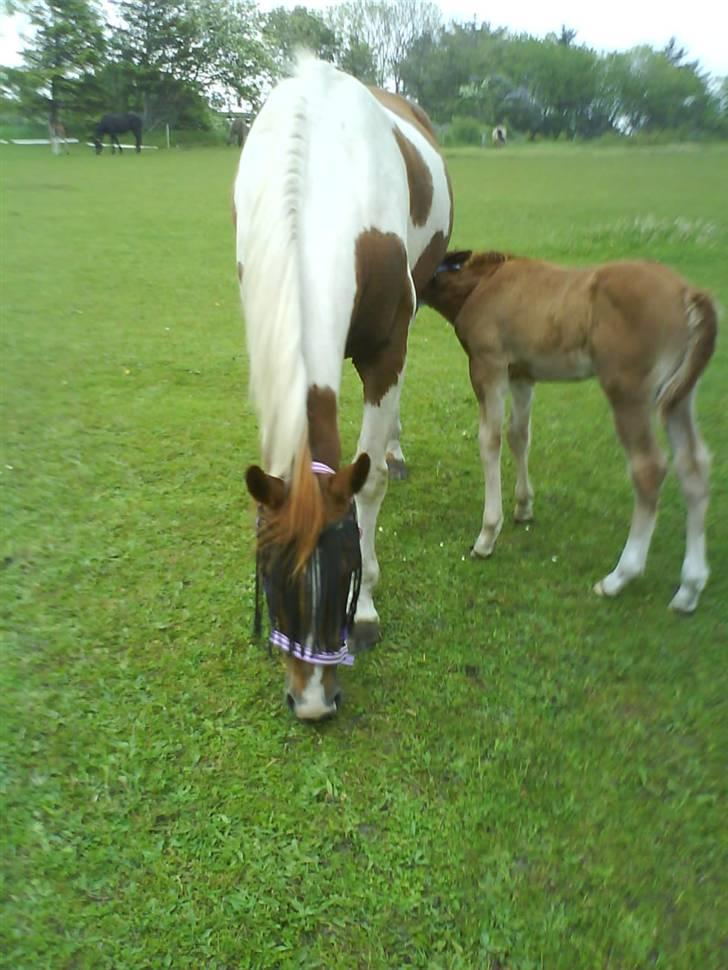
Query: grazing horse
[[114, 125], [57, 134], [499, 135], [343, 210], [237, 133], [643, 331]]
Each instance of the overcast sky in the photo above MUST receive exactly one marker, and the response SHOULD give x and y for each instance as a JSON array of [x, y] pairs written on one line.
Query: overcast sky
[[701, 26]]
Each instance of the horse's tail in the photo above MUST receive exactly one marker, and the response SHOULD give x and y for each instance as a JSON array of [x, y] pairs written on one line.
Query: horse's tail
[[273, 303], [701, 317]]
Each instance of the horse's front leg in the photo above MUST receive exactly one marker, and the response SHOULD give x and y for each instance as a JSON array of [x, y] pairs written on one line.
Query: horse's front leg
[[118, 144], [491, 397]]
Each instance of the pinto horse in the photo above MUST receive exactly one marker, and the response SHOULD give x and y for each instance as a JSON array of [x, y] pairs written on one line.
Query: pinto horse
[[343, 210], [639, 328], [114, 125]]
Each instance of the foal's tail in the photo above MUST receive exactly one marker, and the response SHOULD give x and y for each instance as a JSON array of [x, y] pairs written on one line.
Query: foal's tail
[[701, 317]]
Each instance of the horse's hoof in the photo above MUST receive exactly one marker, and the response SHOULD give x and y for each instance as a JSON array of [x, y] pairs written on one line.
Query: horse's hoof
[[366, 634], [397, 469], [523, 514]]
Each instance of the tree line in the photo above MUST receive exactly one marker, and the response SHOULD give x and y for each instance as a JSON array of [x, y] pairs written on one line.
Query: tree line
[[181, 62]]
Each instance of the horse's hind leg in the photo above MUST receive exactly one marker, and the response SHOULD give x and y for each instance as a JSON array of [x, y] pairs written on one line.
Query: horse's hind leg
[[692, 465], [491, 396], [396, 465], [519, 439], [647, 467], [376, 425]]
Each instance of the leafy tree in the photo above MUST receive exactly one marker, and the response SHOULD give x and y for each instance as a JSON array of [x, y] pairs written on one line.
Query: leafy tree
[[447, 72], [286, 30], [357, 59], [174, 53], [389, 28], [59, 61]]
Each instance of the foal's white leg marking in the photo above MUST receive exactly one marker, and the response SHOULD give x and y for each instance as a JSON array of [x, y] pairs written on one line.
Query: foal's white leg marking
[[519, 438], [647, 466], [692, 465], [489, 437], [376, 424]]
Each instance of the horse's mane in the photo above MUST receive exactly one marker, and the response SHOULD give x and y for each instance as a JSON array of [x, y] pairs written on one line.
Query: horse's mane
[[273, 304]]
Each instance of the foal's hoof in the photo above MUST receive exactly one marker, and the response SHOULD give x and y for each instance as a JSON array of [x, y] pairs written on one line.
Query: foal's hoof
[[523, 513], [686, 599], [397, 469], [366, 634]]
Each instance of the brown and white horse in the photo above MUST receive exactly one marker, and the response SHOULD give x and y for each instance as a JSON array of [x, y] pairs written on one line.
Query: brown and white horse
[[643, 331], [343, 211]]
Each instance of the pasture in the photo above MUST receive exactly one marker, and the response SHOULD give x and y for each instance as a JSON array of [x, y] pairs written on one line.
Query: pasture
[[522, 775]]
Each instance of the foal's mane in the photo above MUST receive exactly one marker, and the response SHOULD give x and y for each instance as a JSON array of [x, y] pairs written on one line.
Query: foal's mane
[[489, 260]]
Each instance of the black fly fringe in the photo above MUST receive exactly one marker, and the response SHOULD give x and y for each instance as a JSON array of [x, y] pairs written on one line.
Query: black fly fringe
[[317, 605]]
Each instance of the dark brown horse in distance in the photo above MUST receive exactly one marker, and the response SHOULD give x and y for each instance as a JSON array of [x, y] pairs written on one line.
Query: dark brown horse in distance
[[114, 125]]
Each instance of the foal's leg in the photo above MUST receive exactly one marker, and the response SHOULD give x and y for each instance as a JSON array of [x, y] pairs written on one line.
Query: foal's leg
[[692, 464], [492, 406], [519, 438], [647, 467]]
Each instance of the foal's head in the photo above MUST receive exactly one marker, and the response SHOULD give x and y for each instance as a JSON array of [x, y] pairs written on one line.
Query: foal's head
[[309, 562], [456, 278]]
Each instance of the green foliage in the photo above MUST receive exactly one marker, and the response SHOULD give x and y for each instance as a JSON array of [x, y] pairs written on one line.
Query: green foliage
[[521, 776], [60, 60], [287, 30], [556, 88], [464, 131]]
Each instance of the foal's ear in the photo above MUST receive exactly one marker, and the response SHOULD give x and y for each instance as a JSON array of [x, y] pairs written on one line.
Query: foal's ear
[[265, 489], [349, 480]]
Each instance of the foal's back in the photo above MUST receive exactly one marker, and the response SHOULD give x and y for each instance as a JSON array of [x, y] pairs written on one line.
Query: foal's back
[[628, 318]]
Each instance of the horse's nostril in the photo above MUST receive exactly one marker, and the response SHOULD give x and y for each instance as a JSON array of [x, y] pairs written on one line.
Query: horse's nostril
[[290, 701], [337, 699]]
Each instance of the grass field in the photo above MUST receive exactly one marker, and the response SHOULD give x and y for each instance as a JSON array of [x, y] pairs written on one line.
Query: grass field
[[522, 775]]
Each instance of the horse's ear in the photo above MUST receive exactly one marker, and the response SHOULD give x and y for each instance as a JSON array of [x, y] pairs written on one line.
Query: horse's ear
[[265, 489], [349, 480]]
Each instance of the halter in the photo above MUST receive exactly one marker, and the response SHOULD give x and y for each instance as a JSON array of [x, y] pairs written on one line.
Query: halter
[[321, 584]]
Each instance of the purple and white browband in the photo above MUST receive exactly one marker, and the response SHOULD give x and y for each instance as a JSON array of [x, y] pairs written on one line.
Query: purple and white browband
[[341, 656], [319, 468]]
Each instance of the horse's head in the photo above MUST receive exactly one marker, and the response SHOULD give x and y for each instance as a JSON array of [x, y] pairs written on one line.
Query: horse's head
[[311, 578]]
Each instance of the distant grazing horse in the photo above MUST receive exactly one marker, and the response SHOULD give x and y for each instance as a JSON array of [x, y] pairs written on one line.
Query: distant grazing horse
[[56, 135], [237, 133], [117, 124], [499, 136], [343, 211], [645, 334]]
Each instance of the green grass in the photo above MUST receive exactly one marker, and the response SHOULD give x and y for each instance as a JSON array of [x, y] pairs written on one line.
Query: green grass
[[522, 775]]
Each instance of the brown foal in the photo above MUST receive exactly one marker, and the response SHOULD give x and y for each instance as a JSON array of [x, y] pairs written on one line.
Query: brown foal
[[639, 328]]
